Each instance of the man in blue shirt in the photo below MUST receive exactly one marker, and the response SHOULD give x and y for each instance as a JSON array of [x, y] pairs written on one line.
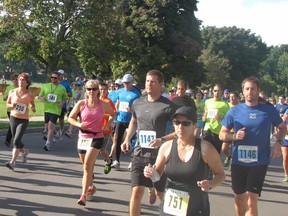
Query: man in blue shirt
[[126, 96], [251, 121]]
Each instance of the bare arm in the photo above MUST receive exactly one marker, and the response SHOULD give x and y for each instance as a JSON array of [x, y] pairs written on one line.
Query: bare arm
[[212, 158]]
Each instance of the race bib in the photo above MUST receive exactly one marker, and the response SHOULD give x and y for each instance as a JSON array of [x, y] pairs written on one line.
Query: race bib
[[20, 108], [123, 106], [286, 137], [84, 143], [176, 202], [145, 137], [247, 154], [52, 98], [212, 113]]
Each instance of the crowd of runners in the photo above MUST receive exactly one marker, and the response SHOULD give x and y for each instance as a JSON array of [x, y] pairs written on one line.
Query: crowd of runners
[[175, 137]]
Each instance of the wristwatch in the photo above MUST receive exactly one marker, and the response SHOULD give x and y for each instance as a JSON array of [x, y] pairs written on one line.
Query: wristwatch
[[163, 140]]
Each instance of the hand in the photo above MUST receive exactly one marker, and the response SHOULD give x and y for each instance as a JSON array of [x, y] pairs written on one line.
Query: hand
[[205, 185], [276, 150], [125, 146], [33, 109], [240, 134], [147, 172], [156, 143]]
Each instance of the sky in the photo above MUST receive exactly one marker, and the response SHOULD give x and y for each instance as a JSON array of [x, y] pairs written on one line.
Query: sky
[[265, 18]]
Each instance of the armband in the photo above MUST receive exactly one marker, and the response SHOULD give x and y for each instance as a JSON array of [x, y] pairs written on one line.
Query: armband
[[234, 136]]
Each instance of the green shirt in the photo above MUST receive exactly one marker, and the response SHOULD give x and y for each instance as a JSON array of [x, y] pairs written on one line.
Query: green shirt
[[54, 94], [8, 89], [212, 108]]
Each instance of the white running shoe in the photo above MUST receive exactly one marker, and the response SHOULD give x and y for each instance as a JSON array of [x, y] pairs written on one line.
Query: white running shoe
[[115, 165], [23, 158]]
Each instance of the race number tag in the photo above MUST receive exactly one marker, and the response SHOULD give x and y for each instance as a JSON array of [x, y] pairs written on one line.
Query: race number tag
[[212, 113], [20, 108], [286, 137], [123, 106], [145, 137], [52, 98], [84, 143], [247, 154], [176, 202]]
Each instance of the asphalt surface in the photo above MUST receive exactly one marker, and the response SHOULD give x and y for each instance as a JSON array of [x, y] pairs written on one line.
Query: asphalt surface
[[50, 184]]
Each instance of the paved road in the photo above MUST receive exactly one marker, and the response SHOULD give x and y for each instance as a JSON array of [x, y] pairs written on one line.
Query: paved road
[[50, 184]]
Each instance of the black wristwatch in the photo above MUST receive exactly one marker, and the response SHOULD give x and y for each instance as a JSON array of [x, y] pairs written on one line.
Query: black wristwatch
[[163, 140]]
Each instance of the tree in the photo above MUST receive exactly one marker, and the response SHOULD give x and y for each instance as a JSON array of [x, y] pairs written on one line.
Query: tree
[[244, 50]]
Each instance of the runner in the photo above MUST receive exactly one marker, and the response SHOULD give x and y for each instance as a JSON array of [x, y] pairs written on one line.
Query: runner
[[251, 145], [185, 160], [54, 96], [14, 85], [150, 115], [18, 101], [126, 96], [90, 140]]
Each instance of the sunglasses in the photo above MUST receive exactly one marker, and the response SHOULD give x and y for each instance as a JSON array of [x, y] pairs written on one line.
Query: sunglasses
[[54, 77], [183, 123], [217, 90], [93, 89]]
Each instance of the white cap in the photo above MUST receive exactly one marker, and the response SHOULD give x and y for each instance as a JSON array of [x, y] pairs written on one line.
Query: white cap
[[127, 78], [61, 72], [118, 81]]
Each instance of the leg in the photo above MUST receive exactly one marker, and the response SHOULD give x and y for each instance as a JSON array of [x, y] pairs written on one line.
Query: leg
[[135, 201], [88, 168], [113, 147], [285, 159], [51, 130], [9, 133], [252, 204], [226, 149], [240, 204]]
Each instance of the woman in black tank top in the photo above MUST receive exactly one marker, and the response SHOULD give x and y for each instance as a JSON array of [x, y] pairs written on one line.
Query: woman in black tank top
[[186, 161]]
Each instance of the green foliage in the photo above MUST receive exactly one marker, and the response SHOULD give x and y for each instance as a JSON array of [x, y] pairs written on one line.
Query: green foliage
[[244, 50]]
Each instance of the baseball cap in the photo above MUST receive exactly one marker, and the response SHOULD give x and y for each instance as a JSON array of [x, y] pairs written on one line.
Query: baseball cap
[[118, 81], [79, 82], [226, 91], [127, 78], [61, 72], [188, 112]]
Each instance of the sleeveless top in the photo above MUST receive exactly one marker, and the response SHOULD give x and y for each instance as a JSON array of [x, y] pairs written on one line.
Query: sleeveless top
[[21, 110], [94, 119], [184, 176]]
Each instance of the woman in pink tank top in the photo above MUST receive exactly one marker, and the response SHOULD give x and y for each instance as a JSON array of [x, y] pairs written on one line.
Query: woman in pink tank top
[[90, 138], [19, 100]]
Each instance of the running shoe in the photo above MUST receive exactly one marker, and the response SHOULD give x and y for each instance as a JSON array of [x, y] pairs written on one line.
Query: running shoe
[[115, 165], [46, 147], [152, 196], [68, 134], [227, 161], [82, 200], [130, 166], [6, 143], [10, 165], [107, 167], [44, 131], [23, 158], [285, 179], [90, 193]]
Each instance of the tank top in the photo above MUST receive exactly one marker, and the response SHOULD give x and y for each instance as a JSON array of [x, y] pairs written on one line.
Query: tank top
[[21, 110], [94, 119], [183, 176]]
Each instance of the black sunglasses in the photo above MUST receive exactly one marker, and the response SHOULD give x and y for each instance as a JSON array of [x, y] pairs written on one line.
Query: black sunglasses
[[184, 123], [217, 90], [93, 89], [54, 77]]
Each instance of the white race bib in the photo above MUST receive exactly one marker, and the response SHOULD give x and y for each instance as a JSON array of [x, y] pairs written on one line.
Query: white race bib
[[176, 202], [212, 113], [52, 98], [145, 137], [84, 143], [123, 106], [20, 108], [247, 154]]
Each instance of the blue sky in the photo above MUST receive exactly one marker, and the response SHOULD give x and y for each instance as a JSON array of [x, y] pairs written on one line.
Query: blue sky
[[265, 18]]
